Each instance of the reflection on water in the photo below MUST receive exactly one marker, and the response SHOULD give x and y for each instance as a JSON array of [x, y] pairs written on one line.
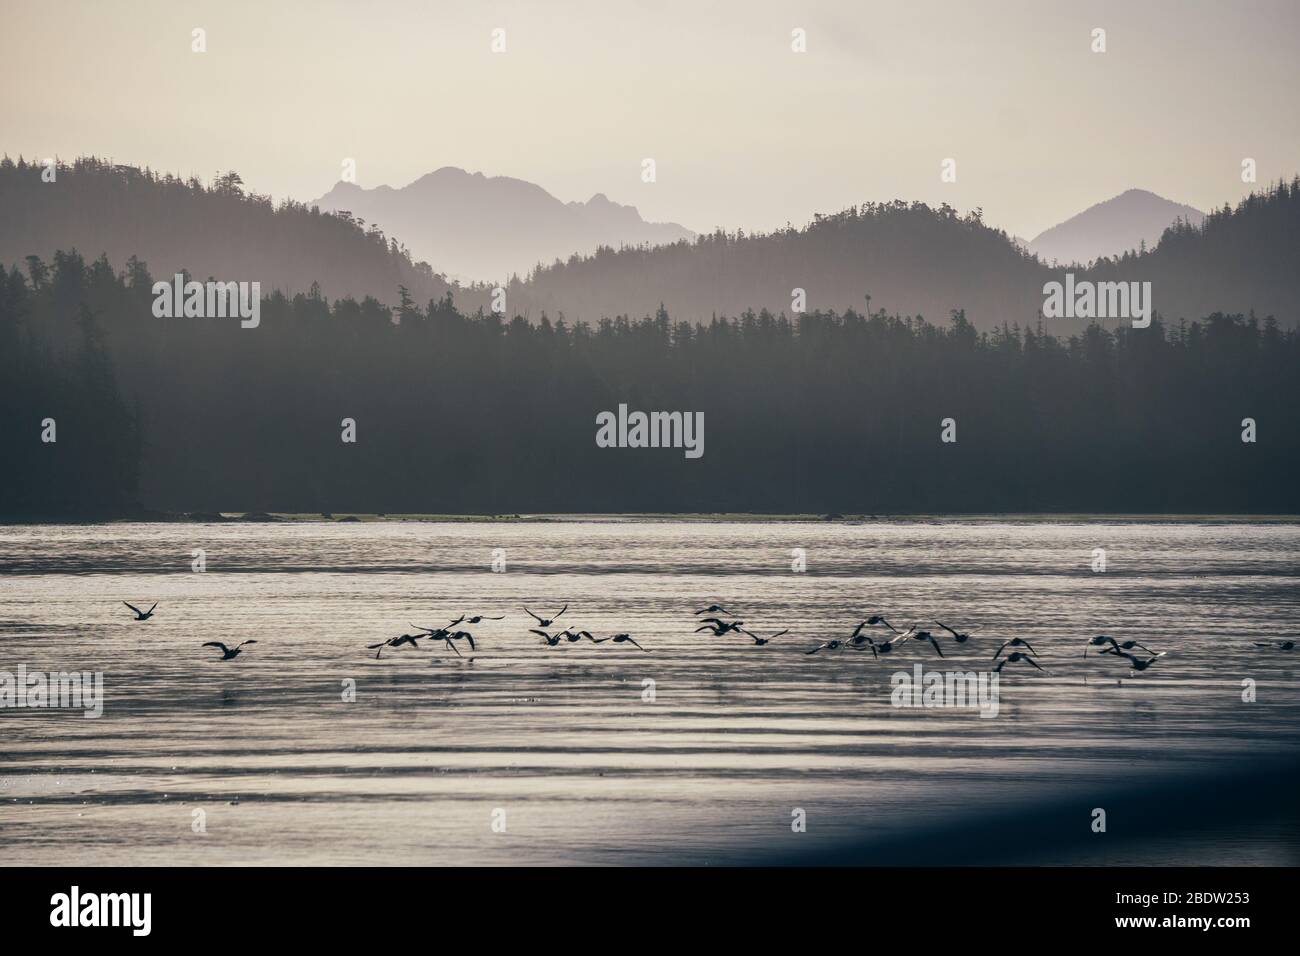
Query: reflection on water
[[562, 739]]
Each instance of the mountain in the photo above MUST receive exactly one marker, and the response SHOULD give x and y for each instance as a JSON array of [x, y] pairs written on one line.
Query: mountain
[[217, 230], [1112, 228], [487, 228]]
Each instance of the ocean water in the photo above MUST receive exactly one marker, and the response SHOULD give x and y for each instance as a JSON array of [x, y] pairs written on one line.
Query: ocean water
[[522, 753]]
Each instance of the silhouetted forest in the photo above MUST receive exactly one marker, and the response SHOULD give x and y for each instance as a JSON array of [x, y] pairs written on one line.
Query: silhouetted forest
[[912, 258], [1237, 258], [908, 257], [476, 414], [57, 382], [215, 230]]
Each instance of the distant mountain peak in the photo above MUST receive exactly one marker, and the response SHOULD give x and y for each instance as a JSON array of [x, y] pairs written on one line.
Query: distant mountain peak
[[1112, 227], [478, 227]]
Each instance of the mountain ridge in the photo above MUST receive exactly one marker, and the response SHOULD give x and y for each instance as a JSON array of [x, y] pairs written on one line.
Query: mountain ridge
[[1110, 228], [480, 228]]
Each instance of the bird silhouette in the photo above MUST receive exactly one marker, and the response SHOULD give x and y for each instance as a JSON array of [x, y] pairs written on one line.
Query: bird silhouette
[[546, 621], [827, 646], [619, 639], [396, 642], [1137, 663], [718, 626], [1015, 642], [1015, 657], [139, 614], [228, 653], [957, 636], [760, 641], [712, 609]]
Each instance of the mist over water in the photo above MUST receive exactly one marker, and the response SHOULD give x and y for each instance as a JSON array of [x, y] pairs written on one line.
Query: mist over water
[[561, 738]]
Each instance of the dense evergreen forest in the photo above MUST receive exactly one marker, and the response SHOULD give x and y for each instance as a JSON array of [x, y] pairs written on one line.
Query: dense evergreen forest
[[913, 258], [475, 413], [217, 229], [908, 257]]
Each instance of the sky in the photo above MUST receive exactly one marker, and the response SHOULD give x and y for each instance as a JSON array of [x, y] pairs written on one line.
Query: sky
[[744, 132]]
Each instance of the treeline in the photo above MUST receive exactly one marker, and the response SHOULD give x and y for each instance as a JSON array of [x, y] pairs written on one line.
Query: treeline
[[71, 447], [217, 229], [1241, 257], [831, 412], [905, 256], [913, 258]]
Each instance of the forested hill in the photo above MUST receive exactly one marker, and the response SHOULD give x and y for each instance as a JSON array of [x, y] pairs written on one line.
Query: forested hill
[[907, 256], [1237, 259], [914, 259], [218, 230]]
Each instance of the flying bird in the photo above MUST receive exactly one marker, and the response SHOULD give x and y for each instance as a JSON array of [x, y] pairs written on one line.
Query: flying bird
[[1015, 657], [956, 635], [719, 627], [1280, 645], [1115, 645], [476, 619], [712, 609], [827, 646], [396, 642], [228, 653], [139, 614], [546, 621], [619, 639], [927, 636], [1137, 663], [547, 638], [1015, 642], [760, 641]]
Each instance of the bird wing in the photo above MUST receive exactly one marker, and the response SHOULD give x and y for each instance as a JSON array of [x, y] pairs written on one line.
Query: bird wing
[[779, 633], [562, 610], [1001, 649], [223, 647], [532, 615], [1030, 660], [248, 642], [946, 628], [815, 649], [132, 606], [533, 630], [935, 642], [470, 637], [1031, 647], [155, 604]]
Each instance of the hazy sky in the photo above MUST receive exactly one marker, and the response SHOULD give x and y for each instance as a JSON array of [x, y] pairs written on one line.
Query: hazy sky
[[744, 132]]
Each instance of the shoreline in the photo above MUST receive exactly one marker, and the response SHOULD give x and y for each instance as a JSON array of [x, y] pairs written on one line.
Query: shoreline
[[239, 517]]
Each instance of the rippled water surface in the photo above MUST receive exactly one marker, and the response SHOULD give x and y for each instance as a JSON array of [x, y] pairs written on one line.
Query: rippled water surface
[[562, 743]]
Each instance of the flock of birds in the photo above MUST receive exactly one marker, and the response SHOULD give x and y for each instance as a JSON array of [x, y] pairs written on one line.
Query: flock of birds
[[716, 623]]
